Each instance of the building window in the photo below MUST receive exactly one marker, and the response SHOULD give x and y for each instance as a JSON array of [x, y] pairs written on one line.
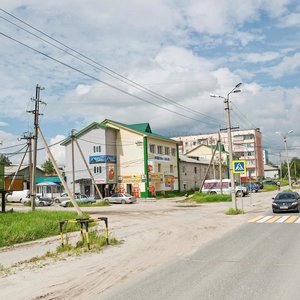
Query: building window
[[171, 168], [167, 150], [159, 149], [184, 186], [194, 143], [195, 170], [97, 170], [152, 148], [173, 150], [183, 169], [97, 149], [159, 168]]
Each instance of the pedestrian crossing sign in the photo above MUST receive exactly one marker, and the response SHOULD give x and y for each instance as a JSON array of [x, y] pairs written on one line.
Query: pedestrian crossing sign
[[238, 166]]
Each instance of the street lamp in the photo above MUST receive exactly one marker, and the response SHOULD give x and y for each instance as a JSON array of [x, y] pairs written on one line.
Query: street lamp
[[287, 154], [226, 103]]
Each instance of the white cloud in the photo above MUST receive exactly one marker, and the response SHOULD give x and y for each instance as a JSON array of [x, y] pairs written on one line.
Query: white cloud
[[288, 65], [2, 124], [290, 20], [57, 150]]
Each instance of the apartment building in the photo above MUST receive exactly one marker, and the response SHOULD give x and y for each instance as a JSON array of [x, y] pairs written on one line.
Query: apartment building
[[247, 145]]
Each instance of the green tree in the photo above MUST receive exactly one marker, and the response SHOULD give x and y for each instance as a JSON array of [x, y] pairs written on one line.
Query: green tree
[[294, 168], [4, 160], [48, 166]]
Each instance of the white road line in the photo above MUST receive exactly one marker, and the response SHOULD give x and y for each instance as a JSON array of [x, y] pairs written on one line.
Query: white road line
[[264, 219], [297, 221], [282, 219]]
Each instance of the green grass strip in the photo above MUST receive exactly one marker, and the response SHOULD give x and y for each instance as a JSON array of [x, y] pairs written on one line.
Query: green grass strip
[[20, 227]]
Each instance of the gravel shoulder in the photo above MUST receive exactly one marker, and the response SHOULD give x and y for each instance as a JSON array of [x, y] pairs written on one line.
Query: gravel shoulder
[[153, 233]]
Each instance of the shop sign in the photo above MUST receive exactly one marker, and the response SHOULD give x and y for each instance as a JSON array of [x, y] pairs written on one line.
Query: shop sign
[[131, 178], [162, 157], [100, 159], [155, 177]]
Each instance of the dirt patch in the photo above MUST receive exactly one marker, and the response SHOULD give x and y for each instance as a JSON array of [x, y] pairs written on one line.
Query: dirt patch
[[153, 233]]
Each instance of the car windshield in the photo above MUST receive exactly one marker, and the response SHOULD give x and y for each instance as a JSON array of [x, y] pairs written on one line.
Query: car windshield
[[285, 196], [127, 195]]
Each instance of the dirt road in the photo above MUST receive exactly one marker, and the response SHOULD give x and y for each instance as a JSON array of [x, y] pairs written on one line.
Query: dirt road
[[153, 233]]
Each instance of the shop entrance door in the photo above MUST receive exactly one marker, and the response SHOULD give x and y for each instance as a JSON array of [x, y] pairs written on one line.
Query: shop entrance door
[[129, 189]]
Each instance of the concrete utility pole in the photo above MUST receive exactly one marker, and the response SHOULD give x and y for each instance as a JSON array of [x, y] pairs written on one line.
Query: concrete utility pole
[[287, 155], [73, 161], [36, 113], [280, 170], [227, 110], [214, 169], [220, 163]]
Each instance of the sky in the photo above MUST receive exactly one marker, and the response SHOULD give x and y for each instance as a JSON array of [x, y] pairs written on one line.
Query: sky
[[150, 61]]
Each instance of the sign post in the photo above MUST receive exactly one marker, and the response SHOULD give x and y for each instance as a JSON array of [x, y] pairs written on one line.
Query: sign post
[[2, 187], [239, 167]]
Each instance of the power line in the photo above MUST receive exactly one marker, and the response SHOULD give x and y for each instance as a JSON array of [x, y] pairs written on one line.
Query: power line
[[99, 80], [106, 69]]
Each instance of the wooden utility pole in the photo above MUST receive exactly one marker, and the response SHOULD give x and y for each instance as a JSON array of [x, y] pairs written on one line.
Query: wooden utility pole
[[88, 169], [211, 146], [212, 157], [75, 204], [73, 161]]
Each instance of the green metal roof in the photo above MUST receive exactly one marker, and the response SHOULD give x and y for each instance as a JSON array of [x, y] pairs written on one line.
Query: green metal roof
[[85, 129], [143, 128]]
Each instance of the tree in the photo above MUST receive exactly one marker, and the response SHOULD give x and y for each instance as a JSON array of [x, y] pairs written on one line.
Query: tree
[[48, 166], [4, 160]]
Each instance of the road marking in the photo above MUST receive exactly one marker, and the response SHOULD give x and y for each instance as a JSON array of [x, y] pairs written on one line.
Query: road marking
[[282, 219], [263, 220], [255, 219], [291, 219], [275, 218]]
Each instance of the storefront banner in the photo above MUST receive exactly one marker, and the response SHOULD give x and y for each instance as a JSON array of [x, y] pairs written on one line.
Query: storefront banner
[[150, 166], [100, 159], [111, 172], [131, 179], [156, 177]]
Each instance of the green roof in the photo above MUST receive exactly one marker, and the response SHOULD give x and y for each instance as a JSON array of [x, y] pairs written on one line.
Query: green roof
[[84, 130], [143, 128]]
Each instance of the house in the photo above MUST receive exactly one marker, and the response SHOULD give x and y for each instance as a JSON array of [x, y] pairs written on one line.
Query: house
[[148, 163], [97, 142], [271, 171], [22, 177], [192, 172]]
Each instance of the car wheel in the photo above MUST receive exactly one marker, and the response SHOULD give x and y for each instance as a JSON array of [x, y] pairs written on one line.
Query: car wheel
[[239, 194], [212, 193], [41, 204], [123, 202], [56, 201], [274, 211]]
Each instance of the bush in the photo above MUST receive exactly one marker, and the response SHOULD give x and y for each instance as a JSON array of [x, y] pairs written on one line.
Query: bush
[[232, 211]]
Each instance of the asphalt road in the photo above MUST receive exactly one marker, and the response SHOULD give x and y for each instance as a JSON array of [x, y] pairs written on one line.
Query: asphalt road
[[256, 261]]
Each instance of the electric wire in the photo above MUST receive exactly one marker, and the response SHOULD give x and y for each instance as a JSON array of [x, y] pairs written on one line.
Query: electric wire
[[114, 74], [101, 81]]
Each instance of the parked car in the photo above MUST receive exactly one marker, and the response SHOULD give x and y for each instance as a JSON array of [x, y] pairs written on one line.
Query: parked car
[[260, 184], [63, 197], [16, 196], [39, 201], [252, 187], [286, 201], [212, 186], [270, 182], [121, 198], [83, 199]]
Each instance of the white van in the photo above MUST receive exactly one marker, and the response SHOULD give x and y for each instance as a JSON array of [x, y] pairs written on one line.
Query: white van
[[212, 186], [16, 196]]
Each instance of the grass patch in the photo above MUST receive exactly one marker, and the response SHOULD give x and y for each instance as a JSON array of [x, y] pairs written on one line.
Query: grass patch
[[269, 188], [99, 203], [20, 227], [204, 198], [173, 195], [232, 211]]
